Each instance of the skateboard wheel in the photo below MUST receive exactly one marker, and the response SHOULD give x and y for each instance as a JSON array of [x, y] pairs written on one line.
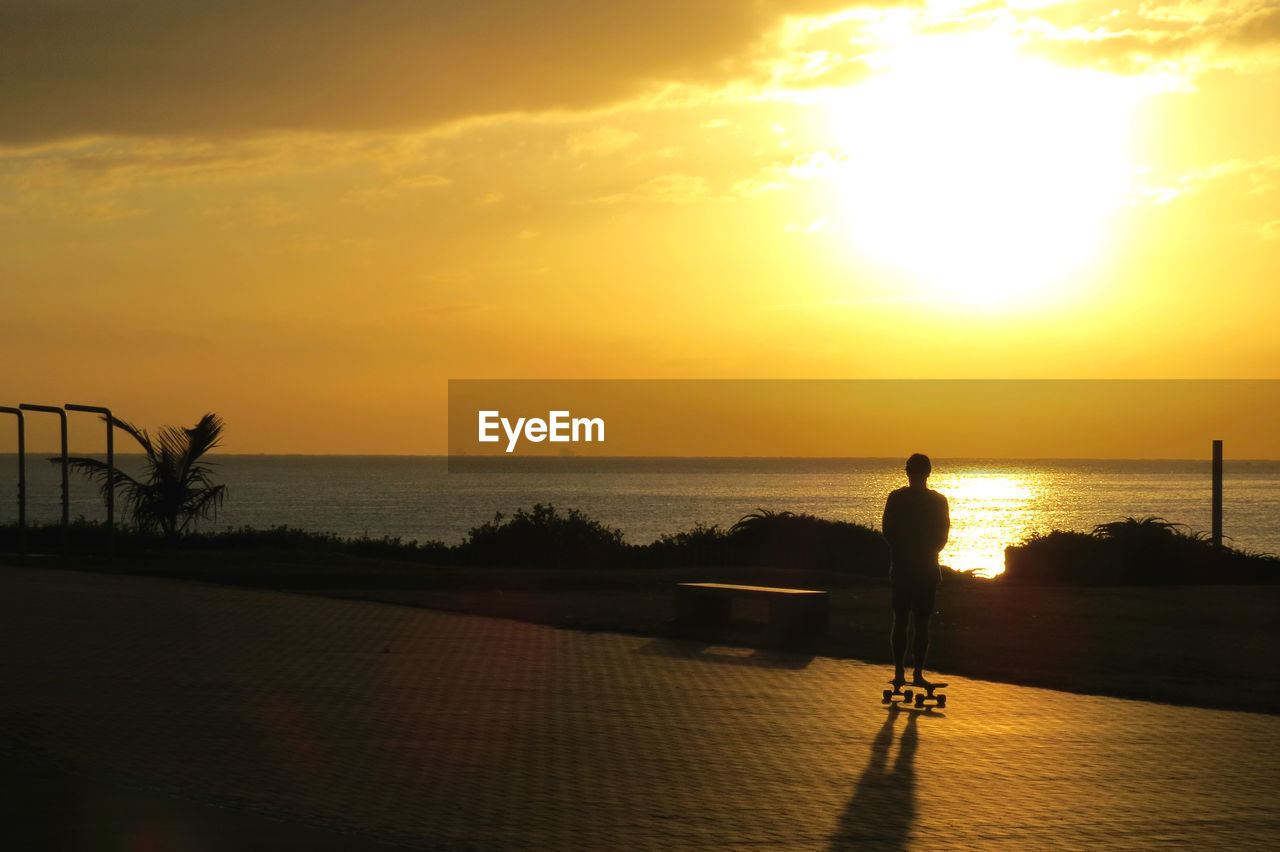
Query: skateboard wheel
[[906, 695], [888, 696], [920, 700], [942, 701]]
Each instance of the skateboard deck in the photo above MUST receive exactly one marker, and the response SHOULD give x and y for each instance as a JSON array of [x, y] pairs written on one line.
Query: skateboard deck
[[921, 694]]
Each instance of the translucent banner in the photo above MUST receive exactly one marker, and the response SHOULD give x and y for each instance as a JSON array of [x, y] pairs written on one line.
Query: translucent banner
[[542, 425]]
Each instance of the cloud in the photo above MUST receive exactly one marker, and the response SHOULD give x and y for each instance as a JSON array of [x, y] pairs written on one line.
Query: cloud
[[450, 309], [1243, 177], [679, 188], [845, 303], [600, 142], [74, 68], [1163, 34], [777, 177], [1262, 26], [424, 181], [259, 211], [397, 186], [106, 164], [673, 188], [815, 52], [1268, 231]]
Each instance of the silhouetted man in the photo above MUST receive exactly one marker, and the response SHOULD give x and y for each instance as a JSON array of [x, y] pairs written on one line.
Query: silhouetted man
[[916, 523]]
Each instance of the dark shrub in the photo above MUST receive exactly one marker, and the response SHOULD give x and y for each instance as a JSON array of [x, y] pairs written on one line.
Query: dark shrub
[[786, 540], [701, 545], [1156, 551], [542, 537], [1074, 558], [1134, 551], [82, 537], [286, 538]]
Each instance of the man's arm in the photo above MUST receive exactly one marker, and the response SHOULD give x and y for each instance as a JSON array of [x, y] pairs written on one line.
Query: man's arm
[[939, 524], [889, 520], [946, 523]]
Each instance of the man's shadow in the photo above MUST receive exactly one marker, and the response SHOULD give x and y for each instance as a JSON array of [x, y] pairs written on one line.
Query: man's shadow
[[883, 806]]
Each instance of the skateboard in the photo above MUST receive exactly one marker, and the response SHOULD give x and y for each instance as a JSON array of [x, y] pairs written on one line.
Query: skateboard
[[909, 693]]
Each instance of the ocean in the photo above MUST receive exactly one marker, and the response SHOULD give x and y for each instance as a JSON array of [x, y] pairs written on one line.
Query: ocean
[[994, 502]]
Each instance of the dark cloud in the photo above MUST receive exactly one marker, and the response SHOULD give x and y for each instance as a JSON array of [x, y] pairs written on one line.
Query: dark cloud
[[1259, 27], [227, 67]]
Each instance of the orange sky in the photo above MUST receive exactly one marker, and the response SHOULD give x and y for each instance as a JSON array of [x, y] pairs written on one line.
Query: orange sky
[[308, 217]]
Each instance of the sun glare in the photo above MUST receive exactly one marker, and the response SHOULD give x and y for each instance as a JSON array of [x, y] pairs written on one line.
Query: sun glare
[[989, 512], [984, 175]]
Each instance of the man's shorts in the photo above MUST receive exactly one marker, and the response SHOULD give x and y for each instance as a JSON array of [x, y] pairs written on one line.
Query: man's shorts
[[915, 593]]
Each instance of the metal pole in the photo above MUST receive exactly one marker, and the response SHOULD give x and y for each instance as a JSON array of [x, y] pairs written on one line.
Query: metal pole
[[66, 501], [22, 477], [111, 465], [1217, 494]]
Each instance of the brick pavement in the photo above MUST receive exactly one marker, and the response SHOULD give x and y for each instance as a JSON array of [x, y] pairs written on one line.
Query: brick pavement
[[437, 730]]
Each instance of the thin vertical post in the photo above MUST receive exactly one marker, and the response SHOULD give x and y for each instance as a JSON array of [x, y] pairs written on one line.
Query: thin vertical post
[[66, 494], [111, 465], [1217, 494], [22, 477]]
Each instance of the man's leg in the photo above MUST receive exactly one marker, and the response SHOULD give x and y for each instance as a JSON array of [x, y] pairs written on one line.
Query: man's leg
[[922, 608], [901, 617], [921, 643]]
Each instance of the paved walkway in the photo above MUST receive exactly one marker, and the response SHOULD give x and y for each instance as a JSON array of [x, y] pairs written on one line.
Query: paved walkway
[[447, 731]]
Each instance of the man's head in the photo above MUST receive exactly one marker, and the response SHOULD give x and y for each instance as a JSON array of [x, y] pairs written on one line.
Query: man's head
[[918, 468]]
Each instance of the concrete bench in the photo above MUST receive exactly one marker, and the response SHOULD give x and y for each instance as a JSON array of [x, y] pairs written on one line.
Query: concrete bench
[[793, 611]]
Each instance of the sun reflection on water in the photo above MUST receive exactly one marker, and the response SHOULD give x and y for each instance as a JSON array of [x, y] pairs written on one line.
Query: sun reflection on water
[[990, 510]]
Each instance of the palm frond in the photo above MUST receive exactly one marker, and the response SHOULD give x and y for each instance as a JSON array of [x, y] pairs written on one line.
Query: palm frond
[[205, 505], [178, 487], [95, 470], [204, 436], [139, 435]]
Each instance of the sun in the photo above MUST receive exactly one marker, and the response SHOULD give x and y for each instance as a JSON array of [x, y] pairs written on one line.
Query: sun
[[982, 174]]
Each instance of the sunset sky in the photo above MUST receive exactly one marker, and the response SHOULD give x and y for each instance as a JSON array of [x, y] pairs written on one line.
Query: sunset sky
[[309, 215]]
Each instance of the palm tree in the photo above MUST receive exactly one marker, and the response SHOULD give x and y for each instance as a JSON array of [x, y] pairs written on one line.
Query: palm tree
[[176, 489]]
